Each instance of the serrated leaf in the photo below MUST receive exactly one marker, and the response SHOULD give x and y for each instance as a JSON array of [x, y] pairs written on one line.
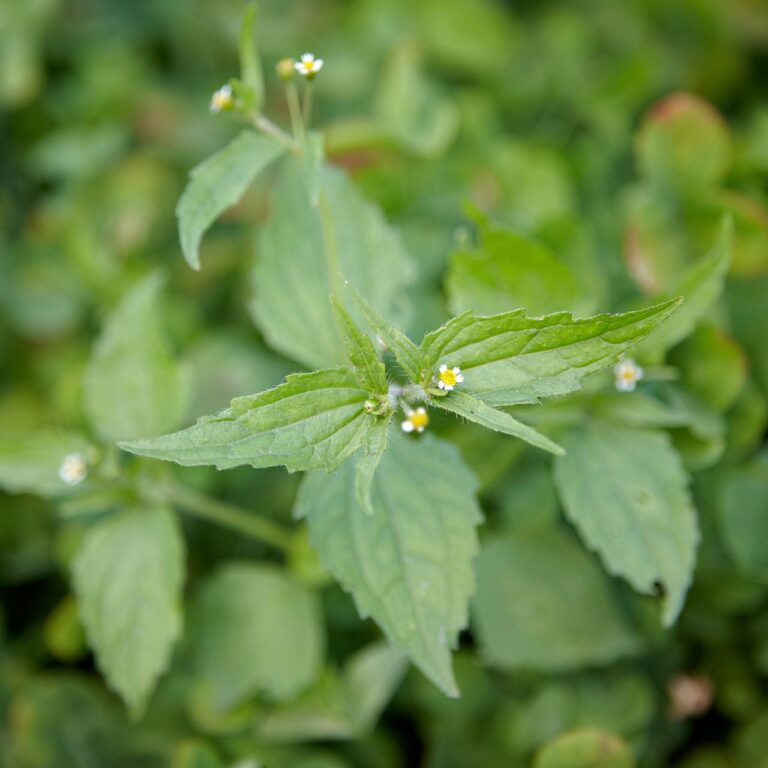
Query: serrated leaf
[[543, 603], [476, 410], [307, 251], [128, 577], [30, 461], [509, 271], [409, 564], [626, 492], [512, 358], [368, 463], [405, 351], [312, 421], [217, 184], [133, 386], [255, 630], [370, 370], [700, 287]]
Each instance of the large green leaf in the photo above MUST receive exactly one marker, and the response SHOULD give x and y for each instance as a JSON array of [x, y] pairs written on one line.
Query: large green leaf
[[700, 287], [217, 184], [626, 491], [585, 748], [30, 461], [512, 358], [307, 252], [133, 387], [409, 564], [476, 410], [255, 630], [312, 421], [128, 577], [543, 603]]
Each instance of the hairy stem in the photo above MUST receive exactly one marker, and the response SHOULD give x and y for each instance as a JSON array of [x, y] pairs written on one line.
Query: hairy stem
[[297, 121], [265, 125]]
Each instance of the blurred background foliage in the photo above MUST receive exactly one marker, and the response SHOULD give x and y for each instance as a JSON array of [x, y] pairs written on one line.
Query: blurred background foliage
[[615, 133]]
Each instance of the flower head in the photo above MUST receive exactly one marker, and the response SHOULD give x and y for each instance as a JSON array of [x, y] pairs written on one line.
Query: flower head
[[448, 378], [286, 68], [416, 421], [309, 66], [73, 469], [626, 374], [222, 100]]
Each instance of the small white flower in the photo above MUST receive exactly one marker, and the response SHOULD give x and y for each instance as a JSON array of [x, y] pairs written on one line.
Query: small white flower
[[222, 100], [416, 421], [73, 469], [309, 66], [627, 373], [448, 378]]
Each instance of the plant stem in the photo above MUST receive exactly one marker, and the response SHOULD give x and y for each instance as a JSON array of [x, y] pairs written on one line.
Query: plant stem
[[265, 125], [230, 516], [307, 111], [297, 121]]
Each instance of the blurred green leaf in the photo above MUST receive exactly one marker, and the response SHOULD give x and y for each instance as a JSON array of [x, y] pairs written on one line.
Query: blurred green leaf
[[512, 358], [217, 184], [128, 577], [254, 630], [408, 565], [133, 386], [626, 492], [250, 62], [312, 421], [542, 603], [587, 748], [306, 253]]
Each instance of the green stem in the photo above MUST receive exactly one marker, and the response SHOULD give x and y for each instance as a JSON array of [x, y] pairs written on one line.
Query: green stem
[[297, 121], [230, 516], [307, 111], [265, 125]]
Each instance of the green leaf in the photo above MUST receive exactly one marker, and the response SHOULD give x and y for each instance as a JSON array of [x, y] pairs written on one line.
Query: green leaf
[[250, 63], [405, 351], [542, 603], [370, 370], [30, 461], [368, 463], [509, 271], [312, 421], [585, 748], [255, 630], [477, 411], [626, 491], [341, 706], [512, 358], [700, 287], [307, 251], [217, 184], [133, 386], [128, 577], [409, 564]]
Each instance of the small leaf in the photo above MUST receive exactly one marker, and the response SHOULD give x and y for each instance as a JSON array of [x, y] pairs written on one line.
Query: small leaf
[[217, 184], [370, 370], [250, 63], [30, 461], [700, 287], [367, 464], [477, 411], [312, 421], [512, 358], [311, 244], [405, 351], [255, 630], [133, 387], [128, 578], [626, 492], [409, 564], [585, 748], [542, 603]]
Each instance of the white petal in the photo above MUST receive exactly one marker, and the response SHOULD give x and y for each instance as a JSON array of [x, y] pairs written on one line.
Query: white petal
[[459, 378], [406, 426], [448, 387], [308, 57], [457, 370], [318, 65], [442, 385], [443, 368]]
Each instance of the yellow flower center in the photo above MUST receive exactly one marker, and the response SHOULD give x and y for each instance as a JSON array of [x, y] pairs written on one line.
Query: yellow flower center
[[628, 375], [448, 377], [419, 420]]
